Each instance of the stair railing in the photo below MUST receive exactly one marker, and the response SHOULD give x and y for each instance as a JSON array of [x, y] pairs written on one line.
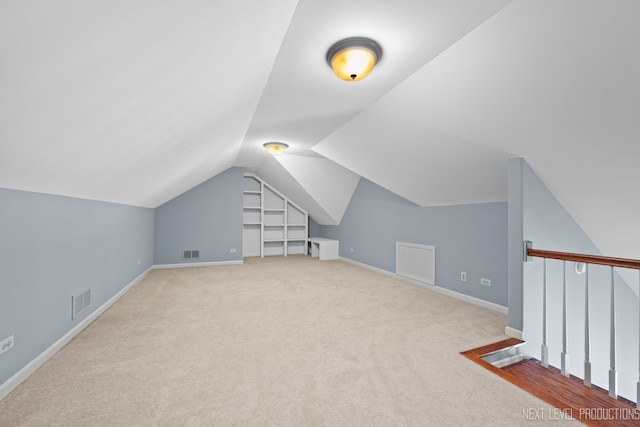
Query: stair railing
[[585, 260]]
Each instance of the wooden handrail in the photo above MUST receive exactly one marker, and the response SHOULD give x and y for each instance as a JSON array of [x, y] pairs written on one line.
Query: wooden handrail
[[588, 259]]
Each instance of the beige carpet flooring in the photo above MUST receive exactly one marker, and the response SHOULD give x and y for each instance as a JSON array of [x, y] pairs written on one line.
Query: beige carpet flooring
[[276, 342]]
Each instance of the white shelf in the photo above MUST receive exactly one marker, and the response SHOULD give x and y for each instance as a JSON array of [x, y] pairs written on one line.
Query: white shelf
[[296, 232], [296, 247], [273, 218], [251, 216], [273, 248], [275, 232], [324, 248], [251, 239], [251, 200], [295, 215], [273, 225], [251, 184], [273, 200]]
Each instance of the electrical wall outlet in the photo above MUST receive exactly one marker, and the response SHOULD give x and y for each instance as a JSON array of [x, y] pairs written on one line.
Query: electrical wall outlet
[[485, 282], [6, 344], [463, 276], [233, 251], [139, 261]]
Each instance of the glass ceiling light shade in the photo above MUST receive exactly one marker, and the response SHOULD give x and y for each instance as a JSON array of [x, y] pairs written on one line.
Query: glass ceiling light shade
[[353, 59], [275, 148]]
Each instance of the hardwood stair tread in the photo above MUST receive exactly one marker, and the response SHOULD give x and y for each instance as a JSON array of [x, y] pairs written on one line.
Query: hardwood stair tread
[[592, 406]]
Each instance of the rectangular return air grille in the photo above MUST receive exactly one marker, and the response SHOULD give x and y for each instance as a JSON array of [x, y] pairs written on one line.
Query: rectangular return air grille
[[79, 303], [192, 254], [416, 262]]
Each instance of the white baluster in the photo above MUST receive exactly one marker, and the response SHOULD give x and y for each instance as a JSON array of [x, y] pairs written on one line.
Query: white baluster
[[544, 349], [587, 349], [638, 386], [563, 356], [613, 375]]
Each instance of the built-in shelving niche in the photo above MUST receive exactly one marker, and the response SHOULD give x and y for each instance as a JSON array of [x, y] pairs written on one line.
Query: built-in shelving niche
[[273, 225]]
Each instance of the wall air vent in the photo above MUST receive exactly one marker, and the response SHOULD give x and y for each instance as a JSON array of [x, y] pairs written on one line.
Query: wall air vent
[[191, 254], [79, 303], [417, 262]]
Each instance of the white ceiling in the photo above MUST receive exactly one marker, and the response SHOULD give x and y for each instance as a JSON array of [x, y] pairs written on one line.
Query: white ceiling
[[137, 102]]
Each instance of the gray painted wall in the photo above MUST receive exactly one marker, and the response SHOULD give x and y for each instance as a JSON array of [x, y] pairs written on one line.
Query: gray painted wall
[[315, 229], [471, 238], [52, 248], [549, 226], [207, 218]]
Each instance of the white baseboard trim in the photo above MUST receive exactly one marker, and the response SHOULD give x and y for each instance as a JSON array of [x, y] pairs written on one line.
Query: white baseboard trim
[[473, 300], [513, 333], [369, 267], [31, 367], [196, 264], [457, 295]]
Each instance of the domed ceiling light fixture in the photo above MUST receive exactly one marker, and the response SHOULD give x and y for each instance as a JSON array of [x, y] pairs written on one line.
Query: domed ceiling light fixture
[[353, 59], [275, 148]]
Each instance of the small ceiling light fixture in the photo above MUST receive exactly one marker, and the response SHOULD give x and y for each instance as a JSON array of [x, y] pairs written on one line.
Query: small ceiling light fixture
[[353, 59], [275, 148]]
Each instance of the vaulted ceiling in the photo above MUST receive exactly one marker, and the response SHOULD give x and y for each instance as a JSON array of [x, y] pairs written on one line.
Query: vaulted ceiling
[[137, 102]]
